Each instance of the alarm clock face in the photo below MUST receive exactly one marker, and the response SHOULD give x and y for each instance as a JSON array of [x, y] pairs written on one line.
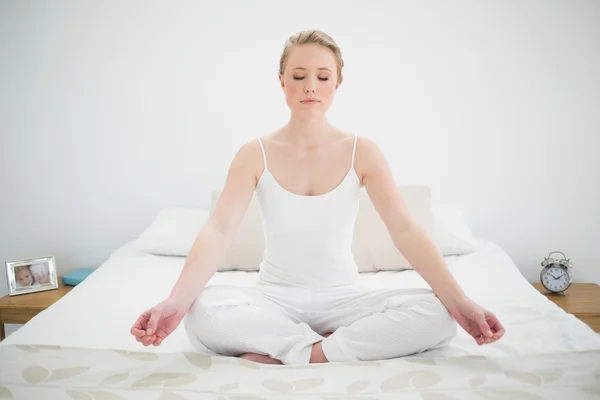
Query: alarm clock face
[[556, 279]]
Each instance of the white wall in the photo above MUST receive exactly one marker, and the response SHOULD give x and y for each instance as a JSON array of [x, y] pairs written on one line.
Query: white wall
[[112, 110]]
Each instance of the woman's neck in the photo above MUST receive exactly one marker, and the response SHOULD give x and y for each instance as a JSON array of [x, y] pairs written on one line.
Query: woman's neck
[[308, 130]]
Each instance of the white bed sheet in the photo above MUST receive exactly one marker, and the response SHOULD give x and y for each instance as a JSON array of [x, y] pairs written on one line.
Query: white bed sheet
[[99, 312]]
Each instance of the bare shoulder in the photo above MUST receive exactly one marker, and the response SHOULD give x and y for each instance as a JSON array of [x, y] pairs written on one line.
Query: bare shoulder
[[250, 150], [248, 159], [369, 157]]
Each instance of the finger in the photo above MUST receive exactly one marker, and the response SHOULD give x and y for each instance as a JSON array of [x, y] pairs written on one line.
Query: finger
[[480, 340], [143, 319], [497, 326], [137, 329], [157, 342], [483, 325], [137, 332], [153, 322], [483, 341], [493, 339], [147, 341]]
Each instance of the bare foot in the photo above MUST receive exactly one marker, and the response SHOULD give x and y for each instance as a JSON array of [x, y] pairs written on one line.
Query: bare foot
[[260, 358], [317, 355]]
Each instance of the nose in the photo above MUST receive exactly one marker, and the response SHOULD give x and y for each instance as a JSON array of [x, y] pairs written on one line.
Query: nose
[[310, 87]]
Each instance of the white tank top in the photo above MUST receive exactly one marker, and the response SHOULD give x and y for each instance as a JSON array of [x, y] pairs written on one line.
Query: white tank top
[[308, 239]]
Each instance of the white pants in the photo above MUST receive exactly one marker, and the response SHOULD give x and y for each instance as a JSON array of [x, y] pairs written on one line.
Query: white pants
[[284, 322]]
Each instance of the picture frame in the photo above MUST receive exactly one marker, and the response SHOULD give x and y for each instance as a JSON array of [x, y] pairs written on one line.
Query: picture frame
[[31, 275]]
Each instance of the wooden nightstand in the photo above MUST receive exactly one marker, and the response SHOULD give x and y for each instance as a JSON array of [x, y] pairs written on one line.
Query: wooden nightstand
[[580, 299], [20, 309]]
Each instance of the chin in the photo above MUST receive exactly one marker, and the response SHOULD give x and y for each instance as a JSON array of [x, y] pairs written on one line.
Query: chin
[[310, 109]]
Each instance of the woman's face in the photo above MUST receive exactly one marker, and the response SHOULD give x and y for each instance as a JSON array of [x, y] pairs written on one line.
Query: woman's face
[[310, 73]]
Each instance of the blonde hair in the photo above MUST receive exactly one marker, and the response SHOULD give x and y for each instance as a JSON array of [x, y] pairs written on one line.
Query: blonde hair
[[312, 37]]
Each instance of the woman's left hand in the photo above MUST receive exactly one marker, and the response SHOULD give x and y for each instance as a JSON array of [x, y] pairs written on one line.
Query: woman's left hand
[[478, 322]]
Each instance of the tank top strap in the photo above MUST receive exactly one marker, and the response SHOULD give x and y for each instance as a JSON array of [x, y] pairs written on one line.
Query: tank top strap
[[354, 149], [262, 148]]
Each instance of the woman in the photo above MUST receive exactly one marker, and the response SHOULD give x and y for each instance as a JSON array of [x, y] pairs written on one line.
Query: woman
[[307, 306]]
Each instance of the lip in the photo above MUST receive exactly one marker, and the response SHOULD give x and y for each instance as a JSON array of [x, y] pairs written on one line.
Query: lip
[[310, 101]]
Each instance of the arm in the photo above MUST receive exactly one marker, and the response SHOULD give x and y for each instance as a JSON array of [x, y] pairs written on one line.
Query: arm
[[408, 237], [420, 251], [216, 236]]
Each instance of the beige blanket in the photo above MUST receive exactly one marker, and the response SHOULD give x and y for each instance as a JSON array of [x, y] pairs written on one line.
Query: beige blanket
[[53, 372]]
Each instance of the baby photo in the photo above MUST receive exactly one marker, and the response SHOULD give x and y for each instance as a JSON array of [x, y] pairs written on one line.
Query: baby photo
[[23, 276], [31, 275]]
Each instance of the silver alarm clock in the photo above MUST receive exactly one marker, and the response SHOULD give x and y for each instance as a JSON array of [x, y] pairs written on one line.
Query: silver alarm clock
[[556, 274]]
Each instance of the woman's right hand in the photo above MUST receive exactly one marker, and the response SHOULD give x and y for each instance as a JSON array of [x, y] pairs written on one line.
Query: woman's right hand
[[155, 324]]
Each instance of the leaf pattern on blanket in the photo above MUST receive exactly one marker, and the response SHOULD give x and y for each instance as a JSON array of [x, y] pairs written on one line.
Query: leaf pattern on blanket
[[47, 347], [525, 377], [117, 378], [357, 387], [229, 387], [507, 394], [248, 364], [278, 386], [424, 361], [64, 373], [35, 348], [35, 374], [477, 381], [105, 374], [417, 379], [305, 384], [476, 363], [93, 395], [169, 379], [436, 396], [295, 386], [5, 393], [550, 374], [79, 395], [171, 396], [591, 390], [138, 355], [28, 347], [361, 364], [198, 360]]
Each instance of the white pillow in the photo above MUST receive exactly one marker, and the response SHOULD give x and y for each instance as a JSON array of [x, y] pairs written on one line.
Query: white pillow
[[173, 231], [452, 232], [372, 247]]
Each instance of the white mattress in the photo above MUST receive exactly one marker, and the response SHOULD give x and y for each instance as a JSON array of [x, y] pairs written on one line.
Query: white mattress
[[99, 312]]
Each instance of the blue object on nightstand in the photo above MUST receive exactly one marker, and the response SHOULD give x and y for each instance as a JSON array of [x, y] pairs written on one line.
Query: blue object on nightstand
[[75, 277]]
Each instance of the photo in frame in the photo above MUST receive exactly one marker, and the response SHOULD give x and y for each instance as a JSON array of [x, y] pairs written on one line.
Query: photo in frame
[[31, 275]]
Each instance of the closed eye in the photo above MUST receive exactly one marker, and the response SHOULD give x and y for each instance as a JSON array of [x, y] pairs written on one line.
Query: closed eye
[[322, 79]]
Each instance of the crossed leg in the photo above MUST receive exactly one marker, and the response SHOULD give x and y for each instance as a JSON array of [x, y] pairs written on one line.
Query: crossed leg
[[382, 324]]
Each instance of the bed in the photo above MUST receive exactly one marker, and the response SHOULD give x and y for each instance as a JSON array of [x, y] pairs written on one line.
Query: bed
[[81, 348]]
